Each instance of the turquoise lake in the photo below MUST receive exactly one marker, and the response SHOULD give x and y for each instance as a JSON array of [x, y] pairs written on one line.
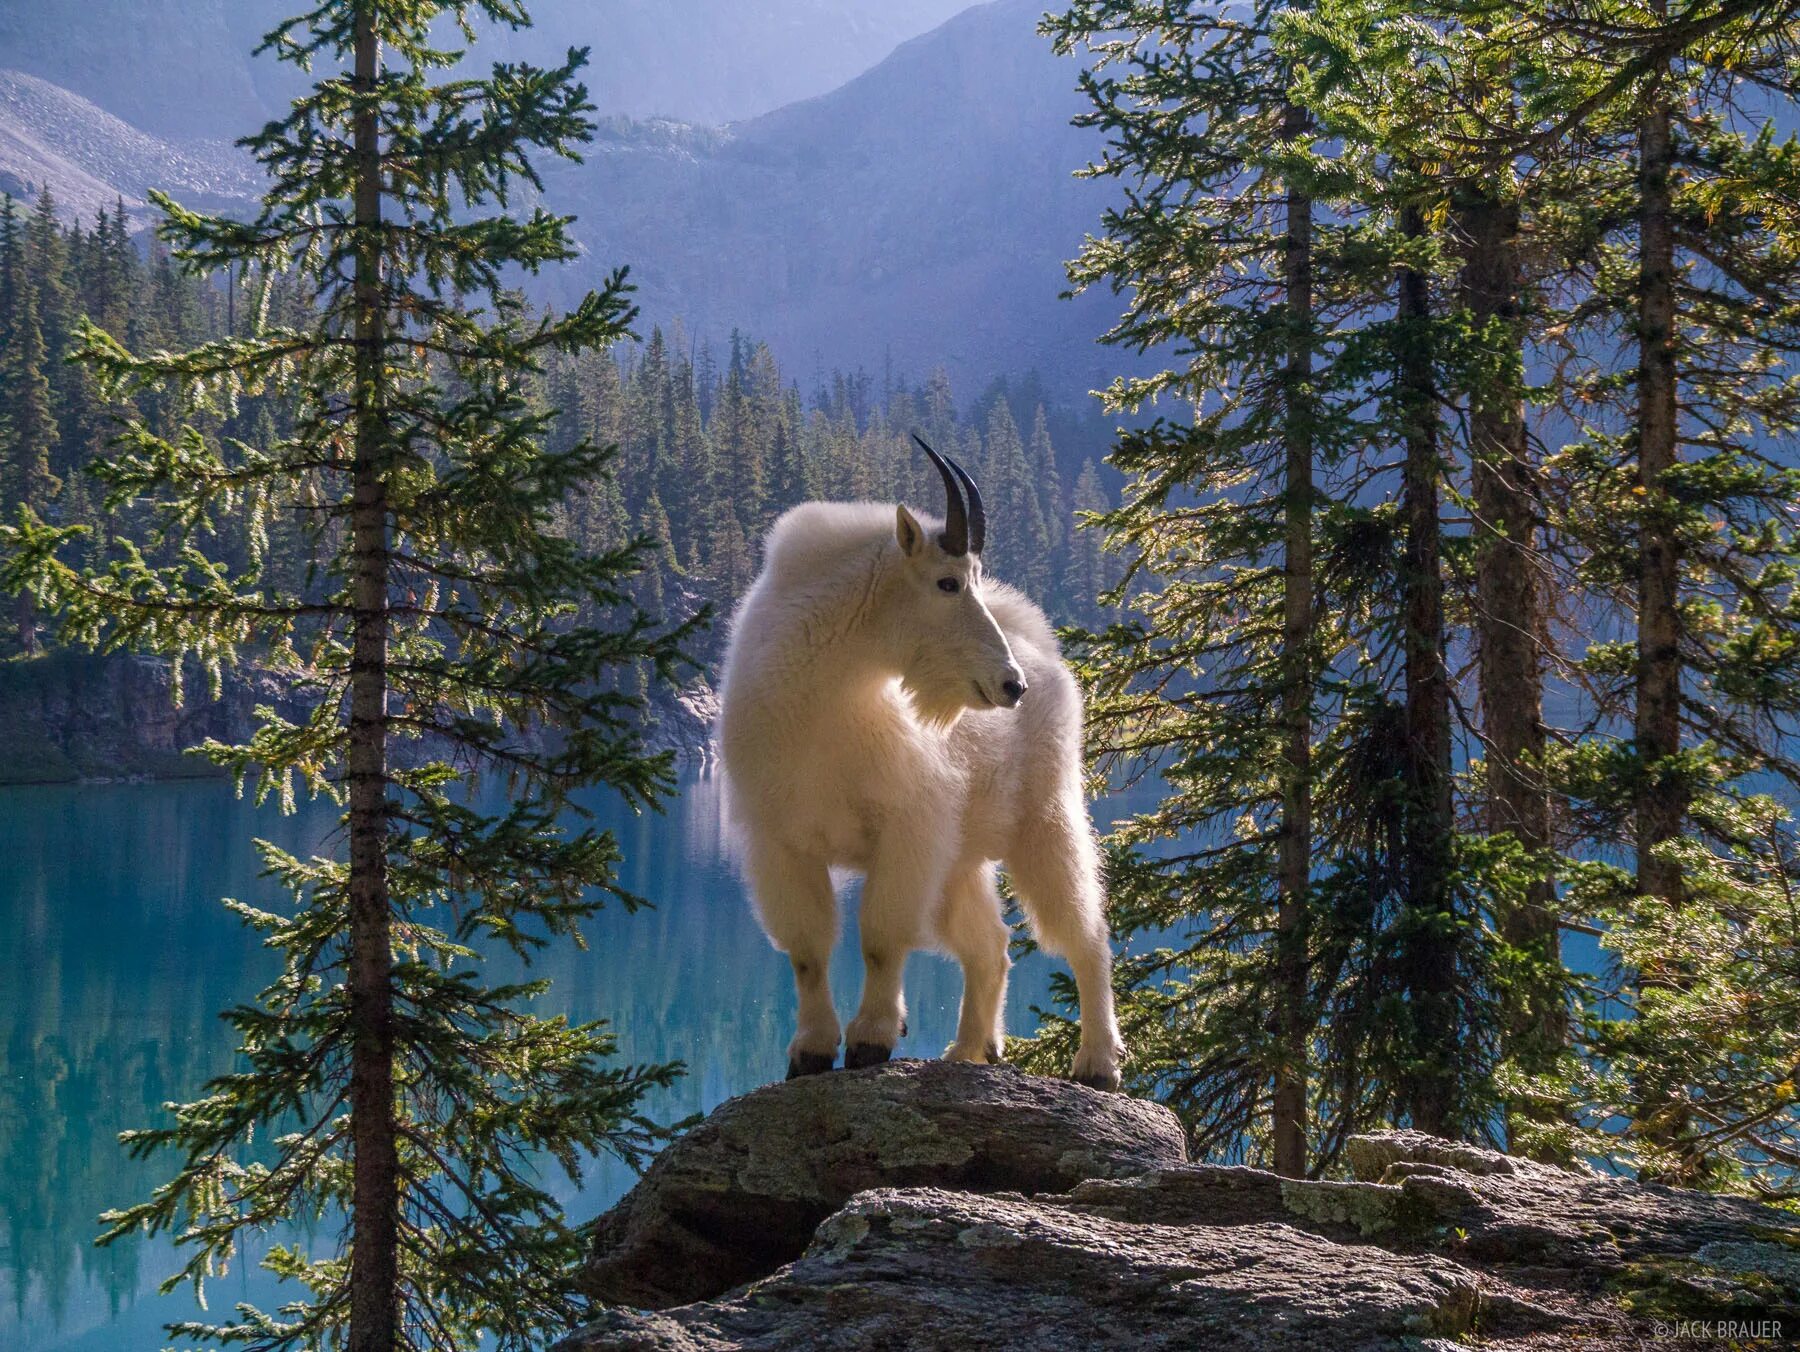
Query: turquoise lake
[[116, 957]]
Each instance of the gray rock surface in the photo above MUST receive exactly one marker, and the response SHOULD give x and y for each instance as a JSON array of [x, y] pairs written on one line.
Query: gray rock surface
[[931, 1206], [929, 1269], [1514, 1210], [743, 1192]]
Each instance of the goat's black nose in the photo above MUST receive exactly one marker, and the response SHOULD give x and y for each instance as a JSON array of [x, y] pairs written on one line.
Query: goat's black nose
[[1013, 690]]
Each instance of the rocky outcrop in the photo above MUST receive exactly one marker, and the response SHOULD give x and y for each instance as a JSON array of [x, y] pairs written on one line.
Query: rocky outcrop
[[934, 1206], [72, 715], [67, 716], [682, 720], [744, 1192]]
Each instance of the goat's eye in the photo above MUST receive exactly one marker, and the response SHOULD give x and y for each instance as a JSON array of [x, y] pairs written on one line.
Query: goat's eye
[[950, 584]]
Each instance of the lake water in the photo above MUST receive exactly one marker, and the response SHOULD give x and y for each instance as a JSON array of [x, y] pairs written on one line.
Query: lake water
[[116, 957]]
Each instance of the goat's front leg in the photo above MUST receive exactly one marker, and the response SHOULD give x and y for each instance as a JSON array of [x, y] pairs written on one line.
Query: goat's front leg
[[798, 910], [972, 928], [897, 896]]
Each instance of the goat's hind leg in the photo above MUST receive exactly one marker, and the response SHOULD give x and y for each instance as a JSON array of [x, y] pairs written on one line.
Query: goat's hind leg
[[1055, 868], [798, 911]]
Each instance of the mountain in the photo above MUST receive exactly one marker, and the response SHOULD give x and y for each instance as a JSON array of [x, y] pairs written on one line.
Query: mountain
[[168, 67], [917, 216], [89, 157], [920, 214], [183, 68]]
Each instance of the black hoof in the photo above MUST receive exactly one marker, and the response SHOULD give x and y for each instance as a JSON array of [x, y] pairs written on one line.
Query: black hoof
[[993, 1055], [810, 1063], [1106, 1083], [860, 1054]]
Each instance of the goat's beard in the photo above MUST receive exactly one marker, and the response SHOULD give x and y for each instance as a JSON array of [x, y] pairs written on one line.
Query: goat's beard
[[935, 704]]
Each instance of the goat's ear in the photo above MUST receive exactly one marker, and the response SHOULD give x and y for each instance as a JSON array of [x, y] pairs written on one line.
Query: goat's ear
[[908, 532]]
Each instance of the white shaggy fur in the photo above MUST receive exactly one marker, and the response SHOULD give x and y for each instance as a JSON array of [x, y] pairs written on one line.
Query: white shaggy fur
[[862, 728]]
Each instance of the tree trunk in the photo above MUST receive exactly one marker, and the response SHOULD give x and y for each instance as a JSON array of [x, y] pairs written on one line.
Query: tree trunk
[[1295, 861], [1661, 805], [375, 1222], [1428, 944], [1533, 1018], [26, 615]]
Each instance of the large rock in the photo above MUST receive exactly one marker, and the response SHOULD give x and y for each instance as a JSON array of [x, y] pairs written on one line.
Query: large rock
[[932, 1243], [926, 1269], [743, 1192]]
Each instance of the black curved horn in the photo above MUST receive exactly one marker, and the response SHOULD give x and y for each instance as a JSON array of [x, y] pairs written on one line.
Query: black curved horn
[[955, 536], [977, 513]]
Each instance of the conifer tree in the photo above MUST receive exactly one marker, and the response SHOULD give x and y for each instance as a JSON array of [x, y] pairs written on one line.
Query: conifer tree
[[1040, 455], [1680, 496], [1490, 197], [1652, 221], [1214, 677], [1009, 484], [1088, 574], [1366, 72], [438, 646], [12, 263], [28, 434]]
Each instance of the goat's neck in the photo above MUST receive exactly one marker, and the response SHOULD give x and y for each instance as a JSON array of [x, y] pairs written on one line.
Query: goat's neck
[[856, 668]]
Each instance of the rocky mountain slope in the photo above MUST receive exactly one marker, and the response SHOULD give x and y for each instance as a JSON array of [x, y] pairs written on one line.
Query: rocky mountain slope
[[931, 1206], [90, 158]]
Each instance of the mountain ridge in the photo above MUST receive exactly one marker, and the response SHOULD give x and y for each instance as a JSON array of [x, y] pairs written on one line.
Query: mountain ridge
[[699, 60], [90, 157]]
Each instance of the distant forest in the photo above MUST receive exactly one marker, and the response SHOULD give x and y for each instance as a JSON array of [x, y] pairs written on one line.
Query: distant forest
[[713, 444]]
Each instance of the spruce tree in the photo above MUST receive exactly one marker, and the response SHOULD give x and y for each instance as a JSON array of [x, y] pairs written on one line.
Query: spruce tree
[[1012, 488], [28, 434], [1374, 76], [1213, 677], [1677, 502], [12, 263], [1657, 308], [1087, 574], [395, 1090], [1492, 192]]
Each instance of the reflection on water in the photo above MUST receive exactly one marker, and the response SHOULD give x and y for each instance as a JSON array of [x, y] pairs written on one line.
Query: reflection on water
[[115, 959]]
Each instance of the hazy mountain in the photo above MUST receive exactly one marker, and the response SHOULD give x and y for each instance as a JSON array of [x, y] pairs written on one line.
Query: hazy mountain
[[89, 157], [921, 213], [918, 215], [183, 67]]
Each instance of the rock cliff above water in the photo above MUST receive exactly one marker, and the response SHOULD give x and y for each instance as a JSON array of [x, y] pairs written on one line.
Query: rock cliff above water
[[68, 716], [925, 1205]]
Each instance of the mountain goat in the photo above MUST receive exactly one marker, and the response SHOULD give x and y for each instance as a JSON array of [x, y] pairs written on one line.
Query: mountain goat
[[889, 709]]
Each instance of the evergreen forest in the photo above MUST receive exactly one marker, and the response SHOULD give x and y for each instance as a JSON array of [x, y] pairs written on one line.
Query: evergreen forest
[[714, 441]]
